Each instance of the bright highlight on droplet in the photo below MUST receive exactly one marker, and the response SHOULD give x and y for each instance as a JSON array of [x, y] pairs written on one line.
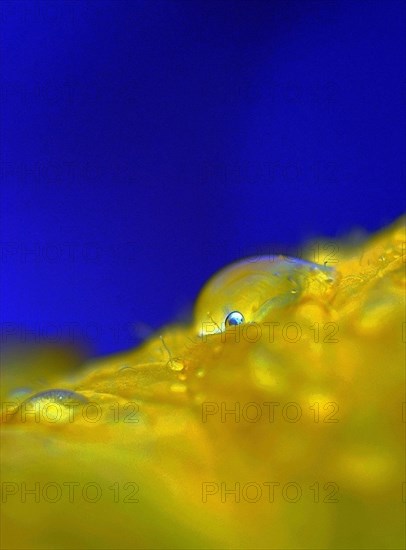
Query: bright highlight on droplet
[[234, 318]]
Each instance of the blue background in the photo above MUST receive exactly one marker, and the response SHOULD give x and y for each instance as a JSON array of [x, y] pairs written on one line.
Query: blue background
[[146, 144]]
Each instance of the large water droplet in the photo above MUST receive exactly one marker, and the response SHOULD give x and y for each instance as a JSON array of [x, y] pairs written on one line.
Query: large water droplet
[[49, 407], [58, 396]]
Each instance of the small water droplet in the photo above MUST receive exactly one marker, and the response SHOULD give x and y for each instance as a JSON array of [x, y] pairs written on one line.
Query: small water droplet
[[200, 373], [176, 364], [234, 318]]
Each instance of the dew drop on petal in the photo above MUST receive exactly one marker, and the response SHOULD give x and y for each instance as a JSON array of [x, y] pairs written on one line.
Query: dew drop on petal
[[57, 396], [234, 318], [176, 365], [49, 406]]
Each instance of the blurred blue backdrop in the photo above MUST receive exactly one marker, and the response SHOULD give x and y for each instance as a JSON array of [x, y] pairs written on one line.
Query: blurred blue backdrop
[[146, 144]]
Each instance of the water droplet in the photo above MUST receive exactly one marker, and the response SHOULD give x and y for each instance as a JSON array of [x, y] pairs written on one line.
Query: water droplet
[[200, 373], [176, 364], [57, 396], [49, 407], [234, 318]]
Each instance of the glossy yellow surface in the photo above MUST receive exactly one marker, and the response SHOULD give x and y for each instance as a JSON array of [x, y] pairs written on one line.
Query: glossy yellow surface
[[148, 453]]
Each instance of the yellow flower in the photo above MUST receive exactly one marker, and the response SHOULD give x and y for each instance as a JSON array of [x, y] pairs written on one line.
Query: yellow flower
[[275, 420]]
